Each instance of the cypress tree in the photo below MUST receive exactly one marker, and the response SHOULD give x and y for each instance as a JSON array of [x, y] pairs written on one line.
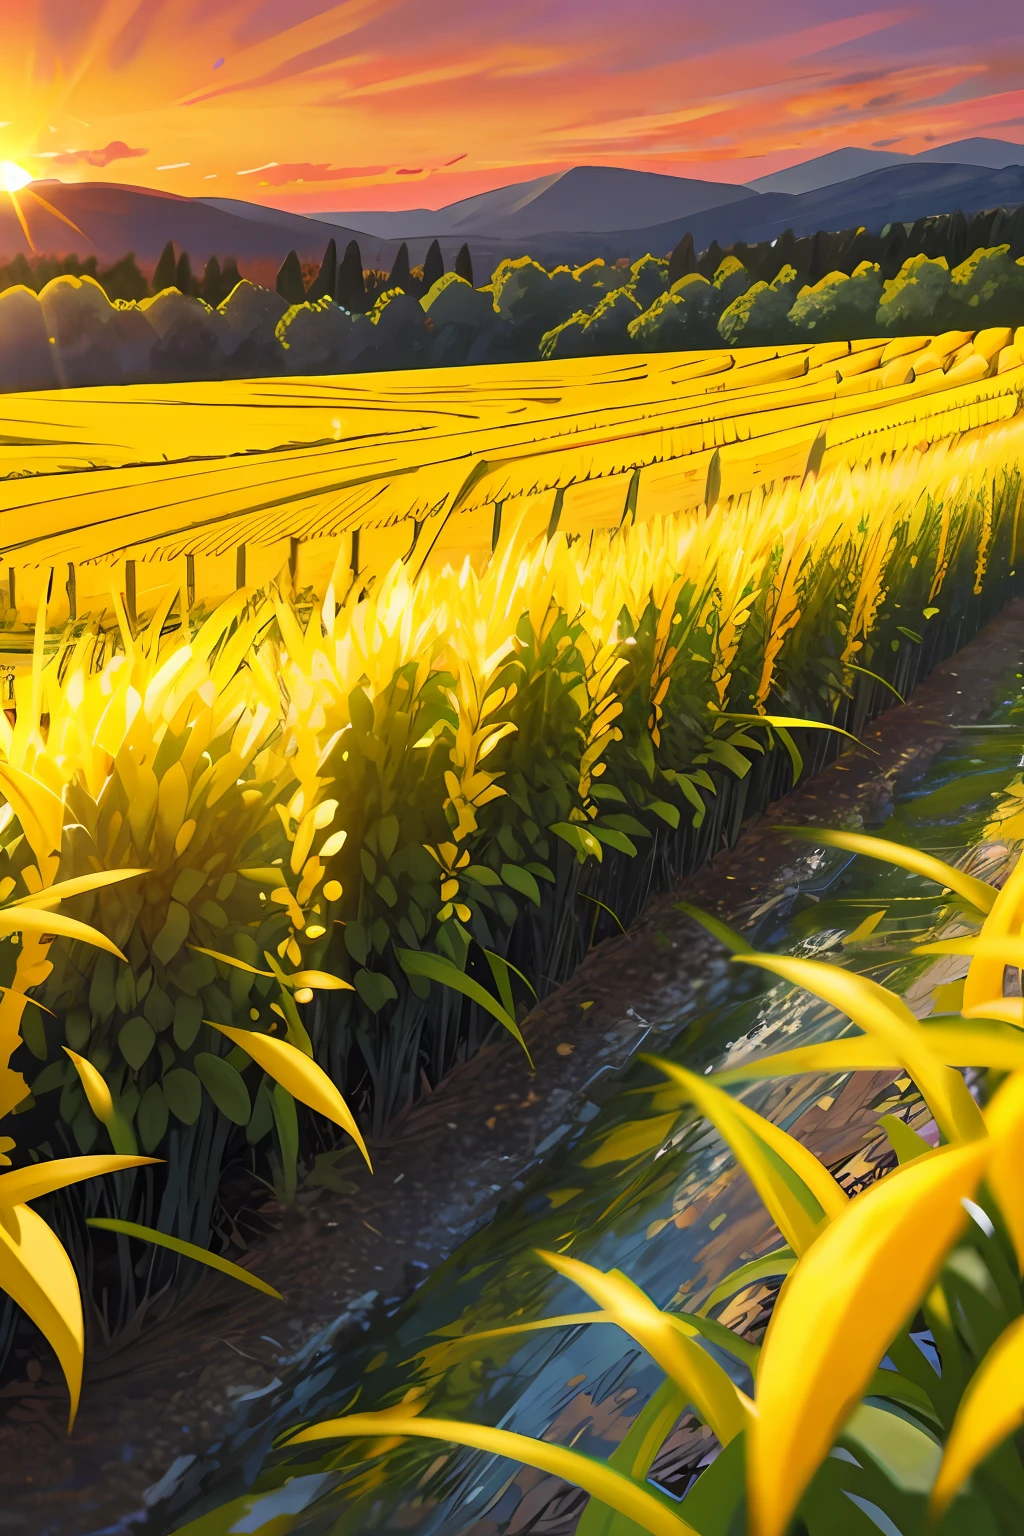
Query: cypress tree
[[683, 260], [350, 290], [433, 266], [229, 275], [326, 280], [183, 279], [289, 282], [821, 255], [710, 262], [464, 264], [212, 289], [894, 249], [164, 272], [123, 280], [400, 276], [785, 249]]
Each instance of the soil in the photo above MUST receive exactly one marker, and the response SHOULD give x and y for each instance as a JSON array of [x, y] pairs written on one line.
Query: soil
[[152, 1402]]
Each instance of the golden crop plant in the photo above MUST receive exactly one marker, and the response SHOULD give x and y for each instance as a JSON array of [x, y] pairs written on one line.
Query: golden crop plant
[[368, 815]]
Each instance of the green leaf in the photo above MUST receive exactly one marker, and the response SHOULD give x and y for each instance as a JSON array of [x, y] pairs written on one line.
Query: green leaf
[[417, 962], [481, 873], [188, 885], [582, 842], [151, 1117], [523, 882], [286, 1121], [617, 840], [375, 989], [795, 755], [875, 678], [387, 835], [501, 967], [779, 1262], [187, 1250], [188, 1016], [604, 907], [225, 1086], [627, 824], [733, 941], [602, 791], [357, 941], [173, 933], [666, 810], [729, 757], [136, 1039]]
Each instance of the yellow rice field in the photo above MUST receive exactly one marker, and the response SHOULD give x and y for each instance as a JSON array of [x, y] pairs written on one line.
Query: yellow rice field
[[242, 480]]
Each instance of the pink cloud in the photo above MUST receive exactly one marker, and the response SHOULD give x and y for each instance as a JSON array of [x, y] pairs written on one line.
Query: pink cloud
[[117, 149]]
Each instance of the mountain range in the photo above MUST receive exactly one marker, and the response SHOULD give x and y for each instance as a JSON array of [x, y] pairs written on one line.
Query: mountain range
[[845, 164], [602, 198], [571, 216]]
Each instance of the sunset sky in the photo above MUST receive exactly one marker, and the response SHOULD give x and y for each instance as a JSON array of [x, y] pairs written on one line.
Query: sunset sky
[[415, 103]]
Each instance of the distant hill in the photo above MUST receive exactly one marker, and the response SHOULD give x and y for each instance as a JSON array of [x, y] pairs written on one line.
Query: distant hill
[[902, 192], [587, 197], [114, 219], [994, 153], [824, 170], [845, 164]]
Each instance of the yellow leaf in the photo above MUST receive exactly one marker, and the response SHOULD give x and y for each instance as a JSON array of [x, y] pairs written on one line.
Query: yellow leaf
[[50, 895], [96, 1090], [38, 809], [171, 804], [838, 1312], [632, 1500], [884, 1015], [631, 1139], [239, 965], [866, 928], [299, 1076], [983, 1042], [800, 1194], [1005, 920], [37, 1179], [991, 1408], [25, 919], [322, 980], [717, 1399], [1005, 1120], [980, 895], [1009, 1009], [38, 1276]]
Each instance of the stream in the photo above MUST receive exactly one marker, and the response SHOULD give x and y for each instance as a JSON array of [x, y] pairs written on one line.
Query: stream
[[634, 1186]]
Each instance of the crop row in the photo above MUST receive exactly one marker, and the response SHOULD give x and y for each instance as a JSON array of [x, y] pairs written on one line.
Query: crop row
[[229, 485], [412, 785]]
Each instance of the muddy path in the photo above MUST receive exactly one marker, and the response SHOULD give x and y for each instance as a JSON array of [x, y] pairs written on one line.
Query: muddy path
[[154, 1402]]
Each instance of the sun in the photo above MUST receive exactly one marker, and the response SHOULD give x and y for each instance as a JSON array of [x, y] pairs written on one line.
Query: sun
[[13, 177]]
